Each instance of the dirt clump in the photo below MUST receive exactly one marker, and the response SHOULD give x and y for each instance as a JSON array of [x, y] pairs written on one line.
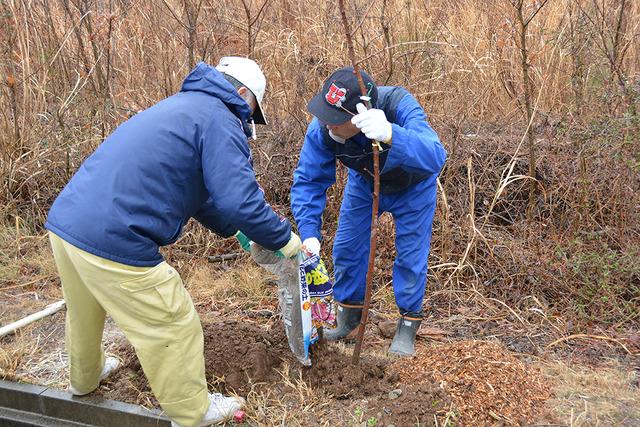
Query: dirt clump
[[239, 354], [333, 372], [375, 388]]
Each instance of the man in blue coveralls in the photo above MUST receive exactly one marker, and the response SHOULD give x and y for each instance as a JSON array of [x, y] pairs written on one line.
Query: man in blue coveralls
[[185, 157], [410, 161]]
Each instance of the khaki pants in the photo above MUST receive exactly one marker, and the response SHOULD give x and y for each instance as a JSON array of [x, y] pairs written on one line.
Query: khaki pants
[[156, 314]]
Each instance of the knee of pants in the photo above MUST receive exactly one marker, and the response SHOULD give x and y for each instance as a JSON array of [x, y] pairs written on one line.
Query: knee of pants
[[350, 278]]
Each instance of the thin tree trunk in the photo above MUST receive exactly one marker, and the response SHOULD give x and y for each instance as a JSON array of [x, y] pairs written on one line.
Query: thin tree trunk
[[524, 26], [376, 196]]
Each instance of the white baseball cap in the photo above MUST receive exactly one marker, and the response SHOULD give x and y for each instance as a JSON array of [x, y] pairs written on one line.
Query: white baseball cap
[[250, 75]]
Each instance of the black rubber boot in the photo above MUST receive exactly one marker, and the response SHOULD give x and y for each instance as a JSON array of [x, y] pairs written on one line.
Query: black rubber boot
[[347, 320], [404, 340]]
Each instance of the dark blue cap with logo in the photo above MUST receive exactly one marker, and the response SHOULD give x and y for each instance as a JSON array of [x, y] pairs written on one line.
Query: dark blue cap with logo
[[336, 102]]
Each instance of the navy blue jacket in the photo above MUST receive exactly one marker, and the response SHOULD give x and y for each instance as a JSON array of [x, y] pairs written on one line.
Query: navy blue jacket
[[186, 156]]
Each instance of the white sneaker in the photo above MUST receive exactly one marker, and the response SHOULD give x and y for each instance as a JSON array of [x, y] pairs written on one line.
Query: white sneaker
[[110, 366], [221, 408]]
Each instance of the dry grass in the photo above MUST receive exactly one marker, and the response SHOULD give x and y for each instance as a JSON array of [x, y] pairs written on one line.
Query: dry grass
[[245, 280], [28, 283], [25, 260], [35, 353], [243, 289], [582, 396], [267, 407], [12, 355], [594, 396]]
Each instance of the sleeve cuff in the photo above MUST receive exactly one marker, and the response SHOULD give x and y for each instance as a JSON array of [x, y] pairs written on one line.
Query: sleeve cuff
[[307, 231], [394, 158]]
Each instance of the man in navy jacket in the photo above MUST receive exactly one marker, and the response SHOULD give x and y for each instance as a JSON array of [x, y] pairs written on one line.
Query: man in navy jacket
[[410, 161], [185, 157]]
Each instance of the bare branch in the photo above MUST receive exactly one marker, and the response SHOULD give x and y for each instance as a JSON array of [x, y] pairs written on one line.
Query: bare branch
[[264, 4], [362, 21], [173, 13], [533, 15]]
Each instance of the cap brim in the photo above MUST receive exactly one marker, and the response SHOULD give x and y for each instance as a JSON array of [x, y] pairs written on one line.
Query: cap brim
[[258, 115], [326, 113]]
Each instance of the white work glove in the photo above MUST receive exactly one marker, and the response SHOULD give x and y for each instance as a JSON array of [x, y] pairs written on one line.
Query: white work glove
[[291, 249], [373, 123], [311, 245]]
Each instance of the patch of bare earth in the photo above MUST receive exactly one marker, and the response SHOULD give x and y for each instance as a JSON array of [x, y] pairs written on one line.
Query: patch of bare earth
[[254, 360]]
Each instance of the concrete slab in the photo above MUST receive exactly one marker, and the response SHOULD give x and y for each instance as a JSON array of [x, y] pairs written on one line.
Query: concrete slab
[[23, 397], [54, 406], [14, 418]]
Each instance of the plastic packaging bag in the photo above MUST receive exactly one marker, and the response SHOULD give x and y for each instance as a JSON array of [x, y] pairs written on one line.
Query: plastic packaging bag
[[320, 287], [305, 297], [293, 299]]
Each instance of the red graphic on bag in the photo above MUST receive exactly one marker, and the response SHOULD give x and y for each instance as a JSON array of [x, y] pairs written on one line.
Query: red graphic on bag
[[336, 95]]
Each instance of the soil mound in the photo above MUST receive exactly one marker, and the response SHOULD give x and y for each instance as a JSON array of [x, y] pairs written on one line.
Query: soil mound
[[375, 386], [333, 372], [238, 354], [241, 356]]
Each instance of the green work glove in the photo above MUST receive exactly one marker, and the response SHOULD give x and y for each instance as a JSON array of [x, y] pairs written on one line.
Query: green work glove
[[244, 241]]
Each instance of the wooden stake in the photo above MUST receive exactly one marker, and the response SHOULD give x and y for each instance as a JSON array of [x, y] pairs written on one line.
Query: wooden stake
[[376, 197]]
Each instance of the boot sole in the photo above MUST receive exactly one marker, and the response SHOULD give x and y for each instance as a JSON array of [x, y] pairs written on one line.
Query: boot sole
[[396, 354]]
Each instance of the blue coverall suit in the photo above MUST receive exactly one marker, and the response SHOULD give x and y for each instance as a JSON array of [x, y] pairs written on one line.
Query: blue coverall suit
[[409, 170]]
